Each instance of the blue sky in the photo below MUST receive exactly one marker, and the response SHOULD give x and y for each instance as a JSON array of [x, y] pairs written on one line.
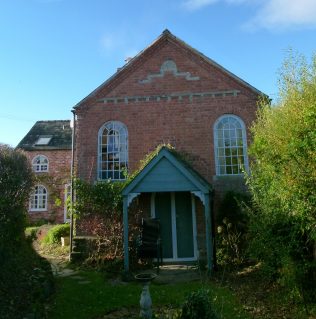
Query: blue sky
[[55, 52]]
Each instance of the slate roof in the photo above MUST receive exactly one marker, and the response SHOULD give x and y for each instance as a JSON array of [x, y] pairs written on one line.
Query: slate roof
[[59, 134]]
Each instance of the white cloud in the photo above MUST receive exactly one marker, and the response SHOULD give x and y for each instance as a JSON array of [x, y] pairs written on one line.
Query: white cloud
[[109, 42], [118, 43], [270, 14], [48, 1], [193, 5], [284, 14]]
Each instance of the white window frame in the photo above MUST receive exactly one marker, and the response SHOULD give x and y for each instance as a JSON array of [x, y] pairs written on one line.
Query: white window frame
[[111, 163], [38, 196], [43, 164], [226, 143]]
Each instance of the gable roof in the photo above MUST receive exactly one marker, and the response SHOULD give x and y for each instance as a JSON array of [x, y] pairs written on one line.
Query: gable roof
[[165, 36], [167, 172], [48, 135]]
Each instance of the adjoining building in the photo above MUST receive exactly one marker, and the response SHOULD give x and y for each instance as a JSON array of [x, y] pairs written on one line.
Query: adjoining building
[[48, 147]]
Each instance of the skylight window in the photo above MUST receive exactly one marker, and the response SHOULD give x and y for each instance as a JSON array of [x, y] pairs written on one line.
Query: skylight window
[[43, 140]]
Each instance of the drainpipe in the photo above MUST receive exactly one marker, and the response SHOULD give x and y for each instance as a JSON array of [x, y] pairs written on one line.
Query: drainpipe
[[72, 181], [125, 224]]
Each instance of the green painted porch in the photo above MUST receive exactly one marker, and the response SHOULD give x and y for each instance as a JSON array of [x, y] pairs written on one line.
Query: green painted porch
[[173, 185]]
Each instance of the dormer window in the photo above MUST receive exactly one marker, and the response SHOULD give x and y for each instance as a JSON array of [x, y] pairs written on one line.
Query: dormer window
[[40, 163]]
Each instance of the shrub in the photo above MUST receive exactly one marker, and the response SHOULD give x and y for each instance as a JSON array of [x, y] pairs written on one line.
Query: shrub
[[26, 279], [26, 283], [16, 179], [54, 234], [283, 179], [198, 306], [231, 222], [31, 233], [98, 211]]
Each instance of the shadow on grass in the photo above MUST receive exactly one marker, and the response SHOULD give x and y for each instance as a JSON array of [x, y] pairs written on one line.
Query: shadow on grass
[[89, 294]]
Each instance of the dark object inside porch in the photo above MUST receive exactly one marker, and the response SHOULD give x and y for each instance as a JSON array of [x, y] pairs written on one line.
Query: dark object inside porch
[[149, 244]]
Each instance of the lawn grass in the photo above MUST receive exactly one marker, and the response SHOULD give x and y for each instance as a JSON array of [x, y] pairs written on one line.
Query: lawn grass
[[263, 299], [100, 296]]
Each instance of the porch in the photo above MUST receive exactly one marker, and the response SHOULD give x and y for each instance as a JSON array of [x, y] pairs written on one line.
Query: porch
[[174, 188]]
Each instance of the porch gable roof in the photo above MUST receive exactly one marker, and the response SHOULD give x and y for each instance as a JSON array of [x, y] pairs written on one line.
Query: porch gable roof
[[167, 173]]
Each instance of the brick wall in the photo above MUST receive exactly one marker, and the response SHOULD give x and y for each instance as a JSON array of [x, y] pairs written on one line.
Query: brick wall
[[166, 108], [54, 180]]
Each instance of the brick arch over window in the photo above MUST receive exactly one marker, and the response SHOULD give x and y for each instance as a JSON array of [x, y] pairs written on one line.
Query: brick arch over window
[[112, 151], [230, 144], [40, 163], [38, 198]]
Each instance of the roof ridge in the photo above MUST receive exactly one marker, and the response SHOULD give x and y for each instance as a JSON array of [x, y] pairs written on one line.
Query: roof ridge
[[53, 121]]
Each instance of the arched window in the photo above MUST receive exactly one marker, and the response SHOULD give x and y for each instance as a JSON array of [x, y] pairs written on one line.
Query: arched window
[[40, 163], [112, 151], [38, 200], [230, 145]]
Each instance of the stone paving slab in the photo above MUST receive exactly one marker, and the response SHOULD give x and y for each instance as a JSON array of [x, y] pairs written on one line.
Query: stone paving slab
[[169, 274]]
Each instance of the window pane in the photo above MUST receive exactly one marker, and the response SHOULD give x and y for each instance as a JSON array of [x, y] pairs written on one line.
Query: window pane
[[221, 152], [228, 152], [114, 136], [220, 142], [221, 161], [222, 170], [230, 155]]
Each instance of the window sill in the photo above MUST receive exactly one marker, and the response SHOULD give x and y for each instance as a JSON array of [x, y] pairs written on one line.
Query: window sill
[[228, 177]]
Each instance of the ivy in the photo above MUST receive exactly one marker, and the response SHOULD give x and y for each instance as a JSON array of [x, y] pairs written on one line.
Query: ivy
[[103, 198]]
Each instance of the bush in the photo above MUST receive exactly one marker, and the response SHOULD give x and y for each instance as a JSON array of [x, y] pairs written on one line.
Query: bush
[[31, 233], [232, 225], [26, 283], [16, 179], [26, 279], [283, 179], [54, 234], [99, 212], [198, 306]]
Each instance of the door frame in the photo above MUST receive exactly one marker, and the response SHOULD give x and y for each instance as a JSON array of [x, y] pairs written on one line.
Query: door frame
[[174, 228]]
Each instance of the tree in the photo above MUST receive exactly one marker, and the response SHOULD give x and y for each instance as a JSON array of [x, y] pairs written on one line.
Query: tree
[[283, 179], [16, 180], [26, 280]]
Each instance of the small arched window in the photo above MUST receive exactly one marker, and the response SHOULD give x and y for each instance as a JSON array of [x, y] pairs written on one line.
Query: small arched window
[[40, 163], [230, 145], [112, 151], [38, 199]]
